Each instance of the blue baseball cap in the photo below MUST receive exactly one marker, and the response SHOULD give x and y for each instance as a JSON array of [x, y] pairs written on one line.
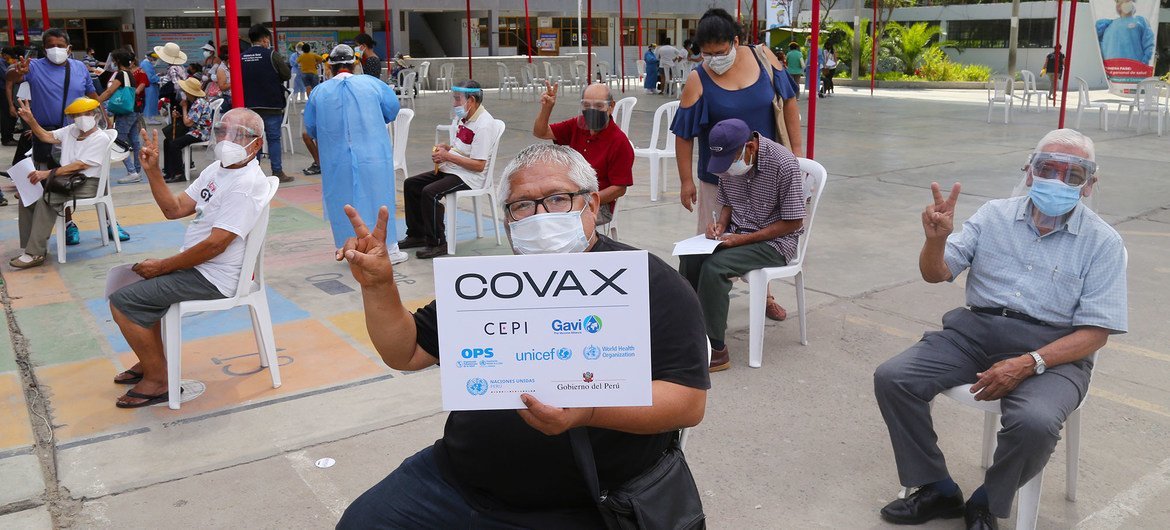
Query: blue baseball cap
[[725, 141]]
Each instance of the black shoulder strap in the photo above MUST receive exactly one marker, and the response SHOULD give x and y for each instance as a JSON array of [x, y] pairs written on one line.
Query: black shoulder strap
[[65, 90], [583, 454]]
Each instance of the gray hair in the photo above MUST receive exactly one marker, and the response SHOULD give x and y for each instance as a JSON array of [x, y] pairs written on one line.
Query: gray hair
[[246, 117], [1070, 138], [578, 170], [608, 92]]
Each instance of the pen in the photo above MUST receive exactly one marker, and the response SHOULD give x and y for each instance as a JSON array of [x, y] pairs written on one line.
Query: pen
[[714, 218]]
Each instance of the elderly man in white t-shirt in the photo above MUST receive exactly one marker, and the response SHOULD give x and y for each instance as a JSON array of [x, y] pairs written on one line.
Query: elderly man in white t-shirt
[[459, 166], [227, 200]]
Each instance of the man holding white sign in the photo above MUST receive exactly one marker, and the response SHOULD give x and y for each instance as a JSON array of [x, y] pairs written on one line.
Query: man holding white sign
[[506, 468]]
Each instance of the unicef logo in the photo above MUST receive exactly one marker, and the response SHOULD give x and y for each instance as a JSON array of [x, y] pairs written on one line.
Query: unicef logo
[[564, 354], [591, 353], [477, 386], [592, 323]]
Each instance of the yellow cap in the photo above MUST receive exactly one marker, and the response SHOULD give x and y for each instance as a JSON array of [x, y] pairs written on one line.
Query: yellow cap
[[80, 105]]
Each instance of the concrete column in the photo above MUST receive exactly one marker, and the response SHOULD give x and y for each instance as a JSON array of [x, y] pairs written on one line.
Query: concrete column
[[493, 32], [139, 29], [401, 34]]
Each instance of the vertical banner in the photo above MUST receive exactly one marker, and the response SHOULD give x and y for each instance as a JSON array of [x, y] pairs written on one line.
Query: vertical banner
[[1126, 33], [779, 14]]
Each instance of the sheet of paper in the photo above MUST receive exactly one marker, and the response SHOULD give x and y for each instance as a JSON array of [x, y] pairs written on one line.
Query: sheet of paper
[[23, 91], [29, 192], [695, 245], [119, 277], [573, 331]]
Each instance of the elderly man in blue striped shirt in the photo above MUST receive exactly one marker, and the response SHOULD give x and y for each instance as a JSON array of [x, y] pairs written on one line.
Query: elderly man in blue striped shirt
[[1045, 289], [759, 223]]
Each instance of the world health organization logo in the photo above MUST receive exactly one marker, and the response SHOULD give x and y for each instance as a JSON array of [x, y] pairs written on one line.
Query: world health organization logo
[[592, 323], [564, 354], [477, 386], [591, 353]]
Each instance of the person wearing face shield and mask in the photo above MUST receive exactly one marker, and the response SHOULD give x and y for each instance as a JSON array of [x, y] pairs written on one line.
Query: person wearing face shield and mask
[[760, 217], [1045, 288], [474, 476], [359, 171], [459, 166], [83, 149], [226, 200], [594, 134]]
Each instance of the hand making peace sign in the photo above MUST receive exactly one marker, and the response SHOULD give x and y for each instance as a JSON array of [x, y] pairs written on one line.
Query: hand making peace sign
[[549, 98], [938, 219]]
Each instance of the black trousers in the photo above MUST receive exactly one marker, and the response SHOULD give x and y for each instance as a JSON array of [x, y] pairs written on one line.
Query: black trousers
[[7, 121], [424, 213], [173, 154]]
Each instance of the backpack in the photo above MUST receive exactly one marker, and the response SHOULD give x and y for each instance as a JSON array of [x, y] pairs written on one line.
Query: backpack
[[122, 102]]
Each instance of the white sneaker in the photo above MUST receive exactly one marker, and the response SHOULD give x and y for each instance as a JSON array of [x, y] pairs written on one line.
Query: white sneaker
[[132, 178], [398, 256]]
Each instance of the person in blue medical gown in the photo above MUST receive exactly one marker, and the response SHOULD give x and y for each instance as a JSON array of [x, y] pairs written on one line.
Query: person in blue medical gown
[[347, 116], [150, 106], [1128, 36]]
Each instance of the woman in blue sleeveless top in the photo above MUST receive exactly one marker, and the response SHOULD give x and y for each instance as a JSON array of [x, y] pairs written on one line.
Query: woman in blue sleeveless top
[[731, 83]]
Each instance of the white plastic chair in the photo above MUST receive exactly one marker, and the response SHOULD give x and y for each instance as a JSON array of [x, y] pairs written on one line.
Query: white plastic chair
[[675, 78], [657, 156], [399, 131], [286, 127], [406, 86], [815, 177], [1083, 102], [1146, 100], [1030, 91], [449, 129], [580, 74], [216, 114], [641, 66], [446, 78], [103, 201], [999, 90], [507, 80], [488, 190], [622, 112], [251, 291], [423, 81], [531, 82]]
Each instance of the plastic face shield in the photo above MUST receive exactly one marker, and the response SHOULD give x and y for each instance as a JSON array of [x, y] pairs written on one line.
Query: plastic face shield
[[1072, 170], [460, 95], [237, 134]]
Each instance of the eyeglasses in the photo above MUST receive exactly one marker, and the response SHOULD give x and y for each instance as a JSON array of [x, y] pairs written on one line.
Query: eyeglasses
[[235, 132], [555, 203], [595, 104], [1070, 169]]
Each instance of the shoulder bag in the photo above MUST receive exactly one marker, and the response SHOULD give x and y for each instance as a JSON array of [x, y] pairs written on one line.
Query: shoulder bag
[[777, 101], [63, 184], [664, 497]]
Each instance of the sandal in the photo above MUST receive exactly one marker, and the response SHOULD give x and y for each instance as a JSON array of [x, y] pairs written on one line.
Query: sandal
[[774, 311], [150, 400], [134, 379]]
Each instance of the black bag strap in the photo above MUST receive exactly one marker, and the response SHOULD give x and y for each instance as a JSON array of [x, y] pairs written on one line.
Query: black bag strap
[[583, 454], [65, 91]]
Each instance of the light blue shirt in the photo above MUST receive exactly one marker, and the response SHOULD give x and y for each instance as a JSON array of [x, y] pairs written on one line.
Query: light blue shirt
[[1072, 276]]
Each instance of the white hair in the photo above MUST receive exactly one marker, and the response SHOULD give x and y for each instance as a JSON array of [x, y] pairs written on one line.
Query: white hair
[[247, 118], [1070, 138], [577, 169]]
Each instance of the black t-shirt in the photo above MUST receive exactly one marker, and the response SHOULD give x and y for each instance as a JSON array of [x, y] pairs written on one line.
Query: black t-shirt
[[501, 463], [1054, 65]]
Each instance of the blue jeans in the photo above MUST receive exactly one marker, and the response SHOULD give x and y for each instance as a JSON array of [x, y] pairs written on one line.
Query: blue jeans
[[416, 496], [127, 127], [272, 133]]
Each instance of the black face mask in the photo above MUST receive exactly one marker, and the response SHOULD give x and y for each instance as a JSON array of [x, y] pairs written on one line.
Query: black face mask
[[595, 120]]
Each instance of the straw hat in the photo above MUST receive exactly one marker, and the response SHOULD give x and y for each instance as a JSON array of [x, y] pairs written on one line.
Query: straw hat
[[170, 53], [191, 86]]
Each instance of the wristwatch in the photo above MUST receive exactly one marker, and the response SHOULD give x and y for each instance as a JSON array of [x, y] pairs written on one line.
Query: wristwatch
[[1040, 366]]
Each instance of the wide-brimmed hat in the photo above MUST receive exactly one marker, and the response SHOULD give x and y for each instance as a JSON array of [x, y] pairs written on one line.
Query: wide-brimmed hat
[[170, 53], [192, 86], [80, 105]]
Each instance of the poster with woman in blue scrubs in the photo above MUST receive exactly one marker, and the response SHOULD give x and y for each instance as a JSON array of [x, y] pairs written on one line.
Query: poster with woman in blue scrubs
[[1126, 34]]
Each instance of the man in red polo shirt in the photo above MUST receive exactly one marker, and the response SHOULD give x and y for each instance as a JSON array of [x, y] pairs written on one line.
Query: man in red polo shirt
[[597, 138]]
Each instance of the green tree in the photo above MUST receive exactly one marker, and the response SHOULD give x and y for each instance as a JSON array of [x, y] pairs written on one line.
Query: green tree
[[843, 37], [909, 42]]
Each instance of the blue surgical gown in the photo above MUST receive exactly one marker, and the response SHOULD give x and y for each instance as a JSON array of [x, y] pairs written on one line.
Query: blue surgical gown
[[1126, 38], [150, 96], [348, 116]]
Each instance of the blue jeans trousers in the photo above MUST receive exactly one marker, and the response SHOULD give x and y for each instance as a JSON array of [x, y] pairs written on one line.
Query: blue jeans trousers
[[272, 134]]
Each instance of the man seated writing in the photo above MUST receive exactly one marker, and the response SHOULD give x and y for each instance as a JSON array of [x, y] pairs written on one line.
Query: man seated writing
[[227, 200], [595, 135], [474, 476], [759, 224]]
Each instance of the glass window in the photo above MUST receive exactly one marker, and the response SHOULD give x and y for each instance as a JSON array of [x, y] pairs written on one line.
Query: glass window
[[654, 31], [567, 27], [512, 33], [1033, 33]]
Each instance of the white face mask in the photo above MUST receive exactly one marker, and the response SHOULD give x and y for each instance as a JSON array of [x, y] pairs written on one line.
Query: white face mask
[[1127, 8], [57, 55], [739, 167], [549, 233], [231, 153], [85, 123], [720, 64]]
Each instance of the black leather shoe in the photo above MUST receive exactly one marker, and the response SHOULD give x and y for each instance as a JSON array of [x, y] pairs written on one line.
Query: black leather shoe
[[412, 242], [978, 517], [922, 506], [431, 252]]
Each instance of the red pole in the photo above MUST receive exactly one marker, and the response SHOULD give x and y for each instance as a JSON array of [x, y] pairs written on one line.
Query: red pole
[[589, 34], [622, 40], [1072, 23], [756, 22], [272, 5], [45, 15], [469, 76], [527, 32], [1055, 49], [814, 72], [233, 35], [24, 24], [386, 22], [361, 16], [215, 4], [11, 30], [873, 52]]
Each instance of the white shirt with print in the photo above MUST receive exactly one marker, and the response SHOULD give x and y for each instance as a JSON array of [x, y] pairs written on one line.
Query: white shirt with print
[[229, 199]]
